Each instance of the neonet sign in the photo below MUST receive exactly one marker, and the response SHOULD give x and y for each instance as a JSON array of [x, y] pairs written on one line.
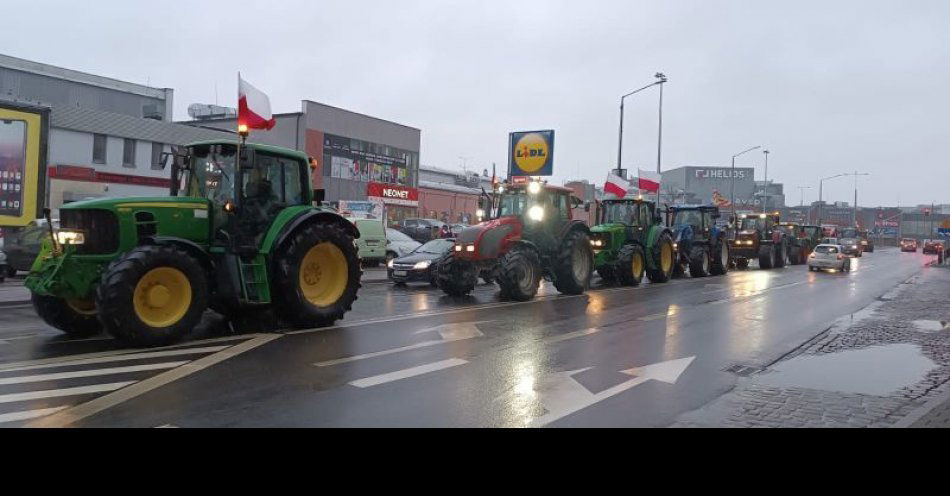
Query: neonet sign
[[394, 195]]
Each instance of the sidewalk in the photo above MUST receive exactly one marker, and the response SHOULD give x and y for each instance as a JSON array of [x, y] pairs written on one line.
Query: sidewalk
[[886, 366]]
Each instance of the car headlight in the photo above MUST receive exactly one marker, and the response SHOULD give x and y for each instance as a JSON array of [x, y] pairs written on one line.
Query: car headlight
[[422, 265], [390, 263], [70, 237], [536, 213]]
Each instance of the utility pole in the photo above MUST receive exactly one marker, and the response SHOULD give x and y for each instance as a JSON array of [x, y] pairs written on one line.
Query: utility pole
[[765, 201], [801, 189], [661, 80], [620, 140]]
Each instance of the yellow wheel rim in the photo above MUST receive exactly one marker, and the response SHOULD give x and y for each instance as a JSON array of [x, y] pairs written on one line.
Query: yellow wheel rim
[[82, 307], [324, 273], [637, 265], [666, 257], [162, 297]]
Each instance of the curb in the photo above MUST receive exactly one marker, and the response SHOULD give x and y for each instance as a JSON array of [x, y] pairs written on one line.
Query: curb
[[921, 412]]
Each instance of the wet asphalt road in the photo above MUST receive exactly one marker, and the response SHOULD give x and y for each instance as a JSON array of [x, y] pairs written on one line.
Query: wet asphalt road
[[410, 356]]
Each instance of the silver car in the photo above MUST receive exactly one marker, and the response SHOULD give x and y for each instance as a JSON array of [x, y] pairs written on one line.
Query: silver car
[[829, 257], [398, 244]]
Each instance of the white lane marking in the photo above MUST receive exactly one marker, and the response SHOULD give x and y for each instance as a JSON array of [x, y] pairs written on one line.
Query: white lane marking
[[166, 426], [449, 332], [6, 381], [570, 335], [407, 373], [29, 414], [562, 395], [122, 358], [79, 412], [56, 393], [125, 351]]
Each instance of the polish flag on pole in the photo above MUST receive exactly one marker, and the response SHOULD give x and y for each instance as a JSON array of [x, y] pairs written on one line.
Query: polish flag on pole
[[253, 108], [616, 185], [650, 181]]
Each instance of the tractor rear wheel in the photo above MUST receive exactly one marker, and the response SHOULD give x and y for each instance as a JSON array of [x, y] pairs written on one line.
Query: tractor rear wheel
[[719, 265], [520, 274], [73, 317], [699, 262], [631, 266], [152, 296], [316, 276], [664, 258], [781, 255], [575, 264], [455, 277], [767, 257], [796, 255]]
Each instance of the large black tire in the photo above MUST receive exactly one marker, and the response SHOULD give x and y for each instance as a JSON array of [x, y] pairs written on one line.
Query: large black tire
[[574, 264], [664, 268], [71, 319], [631, 265], [719, 265], [699, 262], [781, 255], [767, 257], [607, 275], [455, 277], [795, 255], [519, 274], [321, 257], [152, 296]]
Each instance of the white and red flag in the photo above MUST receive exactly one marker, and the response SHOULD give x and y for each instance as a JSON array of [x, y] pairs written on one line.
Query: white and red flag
[[253, 107], [649, 181], [616, 185]]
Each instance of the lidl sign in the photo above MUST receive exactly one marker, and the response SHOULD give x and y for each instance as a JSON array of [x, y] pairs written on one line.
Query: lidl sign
[[531, 153]]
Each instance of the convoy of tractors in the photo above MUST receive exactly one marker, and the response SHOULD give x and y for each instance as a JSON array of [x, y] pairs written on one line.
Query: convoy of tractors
[[239, 233]]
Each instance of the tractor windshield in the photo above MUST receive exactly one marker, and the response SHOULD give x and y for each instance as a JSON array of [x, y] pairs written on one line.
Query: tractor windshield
[[620, 213], [211, 174], [688, 218], [848, 232], [813, 231], [752, 224], [513, 203]]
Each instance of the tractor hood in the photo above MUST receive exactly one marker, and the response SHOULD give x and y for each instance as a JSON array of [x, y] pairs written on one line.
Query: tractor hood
[[488, 239], [136, 201], [607, 228]]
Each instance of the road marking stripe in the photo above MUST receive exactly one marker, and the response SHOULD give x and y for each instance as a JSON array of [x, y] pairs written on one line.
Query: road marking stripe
[[570, 335], [6, 381], [375, 354], [79, 412], [55, 393], [121, 358], [407, 373], [29, 414]]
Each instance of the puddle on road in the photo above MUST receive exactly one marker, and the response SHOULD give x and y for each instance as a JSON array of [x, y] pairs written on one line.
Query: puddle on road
[[929, 325], [878, 371]]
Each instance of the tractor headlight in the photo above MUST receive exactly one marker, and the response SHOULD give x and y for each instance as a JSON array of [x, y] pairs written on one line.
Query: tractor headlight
[[534, 188], [536, 213], [596, 243], [470, 248], [422, 265], [458, 247], [390, 263], [70, 237], [480, 213]]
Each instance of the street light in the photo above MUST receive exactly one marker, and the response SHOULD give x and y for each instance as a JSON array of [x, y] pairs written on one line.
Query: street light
[[854, 216], [765, 202], [660, 80], [821, 191], [801, 189], [733, 188]]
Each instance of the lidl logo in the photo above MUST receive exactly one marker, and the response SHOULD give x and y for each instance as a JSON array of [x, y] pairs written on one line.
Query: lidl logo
[[532, 153]]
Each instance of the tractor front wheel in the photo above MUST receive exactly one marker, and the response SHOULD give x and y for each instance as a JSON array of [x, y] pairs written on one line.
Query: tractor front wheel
[[664, 258], [73, 317], [152, 296], [699, 262], [631, 266], [520, 274], [719, 265], [455, 277], [575, 264], [317, 274]]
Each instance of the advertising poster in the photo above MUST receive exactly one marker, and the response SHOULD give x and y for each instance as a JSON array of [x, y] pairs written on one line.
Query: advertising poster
[[23, 142], [531, 153], [12, 165]]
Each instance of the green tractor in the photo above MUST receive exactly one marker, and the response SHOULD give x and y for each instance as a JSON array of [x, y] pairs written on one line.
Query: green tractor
[[238, 233], [630, 240]]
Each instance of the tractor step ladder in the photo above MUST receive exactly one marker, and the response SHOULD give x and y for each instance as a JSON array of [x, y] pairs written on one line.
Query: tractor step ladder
[[255, 285]]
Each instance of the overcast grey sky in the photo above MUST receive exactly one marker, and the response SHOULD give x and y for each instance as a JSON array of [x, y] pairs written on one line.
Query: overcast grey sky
[[828, 86]]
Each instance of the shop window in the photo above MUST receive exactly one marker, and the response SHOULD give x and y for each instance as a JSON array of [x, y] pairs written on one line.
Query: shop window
[[157, 155], [128, 153], [98, 148]]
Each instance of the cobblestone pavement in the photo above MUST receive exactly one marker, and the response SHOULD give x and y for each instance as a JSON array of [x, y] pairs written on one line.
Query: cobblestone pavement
[[916, 313]]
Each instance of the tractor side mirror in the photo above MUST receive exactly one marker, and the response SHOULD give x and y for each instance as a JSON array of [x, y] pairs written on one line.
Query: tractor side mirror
[[319, 195]]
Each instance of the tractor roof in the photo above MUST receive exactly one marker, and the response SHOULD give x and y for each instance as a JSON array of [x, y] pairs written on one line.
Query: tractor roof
[[275, 150], [547, 187], [695, 207]]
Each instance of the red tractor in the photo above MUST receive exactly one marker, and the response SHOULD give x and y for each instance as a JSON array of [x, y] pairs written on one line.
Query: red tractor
[[532, 235]]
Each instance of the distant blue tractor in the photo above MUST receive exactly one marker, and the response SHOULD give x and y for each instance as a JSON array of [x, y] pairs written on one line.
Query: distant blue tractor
[[701, 246]]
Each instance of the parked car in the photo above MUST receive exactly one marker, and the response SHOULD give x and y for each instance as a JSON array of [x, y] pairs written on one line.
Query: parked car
[[457, 228], [420, 265], [829, 257], [932, 246], [23, 246], [372, 241], [867, 244], [909, 244], [398, 244], [421, 230], [3, 266]]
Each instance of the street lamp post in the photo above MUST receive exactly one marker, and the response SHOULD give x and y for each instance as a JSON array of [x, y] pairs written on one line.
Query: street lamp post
[[854, 216], [821, 191], [801, 189], [765, 201], [733, 188], [661, 80]]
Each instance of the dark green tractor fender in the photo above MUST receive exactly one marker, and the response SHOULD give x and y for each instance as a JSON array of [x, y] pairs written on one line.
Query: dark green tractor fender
[[283, 228]]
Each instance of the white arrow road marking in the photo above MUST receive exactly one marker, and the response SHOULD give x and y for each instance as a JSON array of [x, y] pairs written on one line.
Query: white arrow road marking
[[407, 373], [448, 332], [562, 395]]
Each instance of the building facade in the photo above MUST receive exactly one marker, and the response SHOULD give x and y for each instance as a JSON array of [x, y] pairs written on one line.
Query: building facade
[[701, 184]]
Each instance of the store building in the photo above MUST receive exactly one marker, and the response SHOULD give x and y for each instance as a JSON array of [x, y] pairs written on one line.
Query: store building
[[701, 184], [450, 196], [357, 158]]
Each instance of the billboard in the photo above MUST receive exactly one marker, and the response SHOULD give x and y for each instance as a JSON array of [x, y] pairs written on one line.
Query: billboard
[[531, 153], [23, 142]]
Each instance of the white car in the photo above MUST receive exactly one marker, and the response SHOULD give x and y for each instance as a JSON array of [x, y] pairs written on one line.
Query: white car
[[399, 244], [829, 257]]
